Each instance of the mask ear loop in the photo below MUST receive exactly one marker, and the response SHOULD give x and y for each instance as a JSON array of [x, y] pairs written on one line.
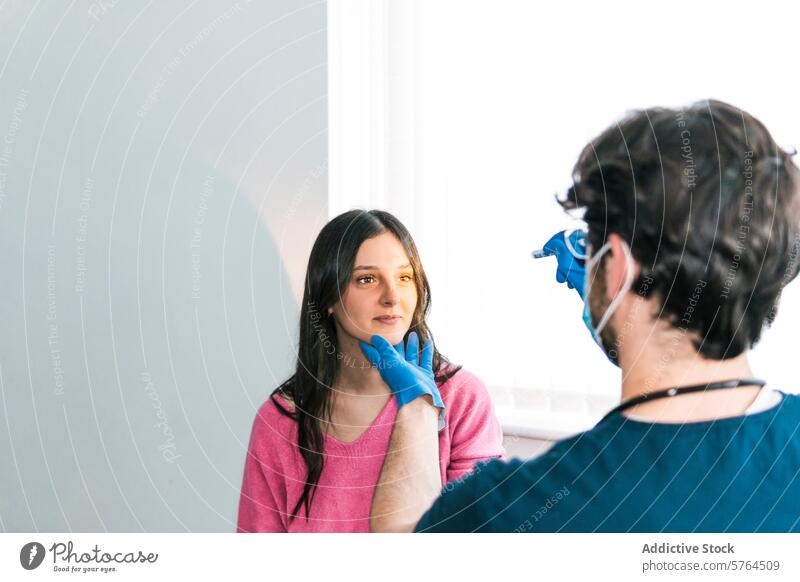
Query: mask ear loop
[[625, 288]]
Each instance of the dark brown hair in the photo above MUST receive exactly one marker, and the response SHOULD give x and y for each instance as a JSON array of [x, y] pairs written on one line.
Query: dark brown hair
[[706, 200], [330, 267]]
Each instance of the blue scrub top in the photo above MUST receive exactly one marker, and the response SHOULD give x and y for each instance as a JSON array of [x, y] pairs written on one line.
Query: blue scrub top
[[738, 474]]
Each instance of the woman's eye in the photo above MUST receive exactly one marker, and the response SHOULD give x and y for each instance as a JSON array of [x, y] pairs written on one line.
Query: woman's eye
[[367, 279]]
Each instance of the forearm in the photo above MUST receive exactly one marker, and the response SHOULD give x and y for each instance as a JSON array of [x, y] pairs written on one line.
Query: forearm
[[410, 479]]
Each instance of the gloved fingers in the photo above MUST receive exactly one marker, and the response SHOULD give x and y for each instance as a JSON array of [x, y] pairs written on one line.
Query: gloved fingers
[[388, 352], [572, 262], [549, 251], [371, 353], [412, 348], [579, 236], [553, 250], [576, 246], [554, 243], [561, 275], [426, 362]]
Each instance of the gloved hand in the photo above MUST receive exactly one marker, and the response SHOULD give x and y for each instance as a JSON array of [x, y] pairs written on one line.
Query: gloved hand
[[573, 270], [406, 374], [570, 268]]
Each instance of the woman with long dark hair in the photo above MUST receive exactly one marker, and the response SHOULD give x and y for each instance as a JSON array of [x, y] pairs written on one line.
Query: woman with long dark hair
[[318, 443]]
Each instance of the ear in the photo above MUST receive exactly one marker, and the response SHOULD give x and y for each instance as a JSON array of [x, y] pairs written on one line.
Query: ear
[[617, 266]]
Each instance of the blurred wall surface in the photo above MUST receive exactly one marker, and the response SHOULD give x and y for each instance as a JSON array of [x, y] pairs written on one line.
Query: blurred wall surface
[[163, 171]]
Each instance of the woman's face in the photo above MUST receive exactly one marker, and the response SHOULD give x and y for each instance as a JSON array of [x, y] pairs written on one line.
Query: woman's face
[[381, 296]]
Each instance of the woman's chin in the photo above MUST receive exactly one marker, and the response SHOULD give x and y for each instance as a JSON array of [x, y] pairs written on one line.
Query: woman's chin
[[394, 337]]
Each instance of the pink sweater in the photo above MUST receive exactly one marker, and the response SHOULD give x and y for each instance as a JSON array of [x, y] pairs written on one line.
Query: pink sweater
[[274, 472]]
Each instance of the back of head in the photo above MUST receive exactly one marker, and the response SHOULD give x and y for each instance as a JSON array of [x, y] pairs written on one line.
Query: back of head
[[706, 200]]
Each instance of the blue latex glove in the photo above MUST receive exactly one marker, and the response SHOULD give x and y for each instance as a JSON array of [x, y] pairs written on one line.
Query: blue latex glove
[[570, 269], [406, 374], [573, 270]]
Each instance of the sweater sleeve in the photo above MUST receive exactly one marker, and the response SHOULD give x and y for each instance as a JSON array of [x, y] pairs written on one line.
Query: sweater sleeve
[[262, 497], [475, 433]]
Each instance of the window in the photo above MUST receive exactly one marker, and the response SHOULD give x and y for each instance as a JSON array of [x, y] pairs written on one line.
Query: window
[[465, 118]]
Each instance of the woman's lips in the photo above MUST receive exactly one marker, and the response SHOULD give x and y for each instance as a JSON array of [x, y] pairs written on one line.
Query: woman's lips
[[389, 319]]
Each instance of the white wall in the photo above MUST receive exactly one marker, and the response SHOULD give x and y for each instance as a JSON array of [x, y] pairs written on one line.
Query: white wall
[[163, 172], [506, 96]]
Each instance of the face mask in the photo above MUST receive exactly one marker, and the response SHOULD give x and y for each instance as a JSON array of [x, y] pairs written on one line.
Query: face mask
[[587, 317]]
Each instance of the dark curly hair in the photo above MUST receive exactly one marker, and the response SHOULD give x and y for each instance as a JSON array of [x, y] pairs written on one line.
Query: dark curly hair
[[706, 200]]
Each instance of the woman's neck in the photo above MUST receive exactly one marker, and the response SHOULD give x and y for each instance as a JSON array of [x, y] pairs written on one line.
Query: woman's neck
[[356, 375]]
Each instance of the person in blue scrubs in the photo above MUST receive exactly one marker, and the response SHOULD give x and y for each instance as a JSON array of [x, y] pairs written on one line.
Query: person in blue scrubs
[[693, 221]]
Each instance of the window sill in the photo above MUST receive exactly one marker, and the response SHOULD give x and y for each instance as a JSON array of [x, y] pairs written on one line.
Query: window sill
[[543, 424], [547, 415]]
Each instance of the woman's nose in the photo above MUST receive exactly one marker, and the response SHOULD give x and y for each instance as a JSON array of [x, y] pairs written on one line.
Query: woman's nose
[[390, 296]]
